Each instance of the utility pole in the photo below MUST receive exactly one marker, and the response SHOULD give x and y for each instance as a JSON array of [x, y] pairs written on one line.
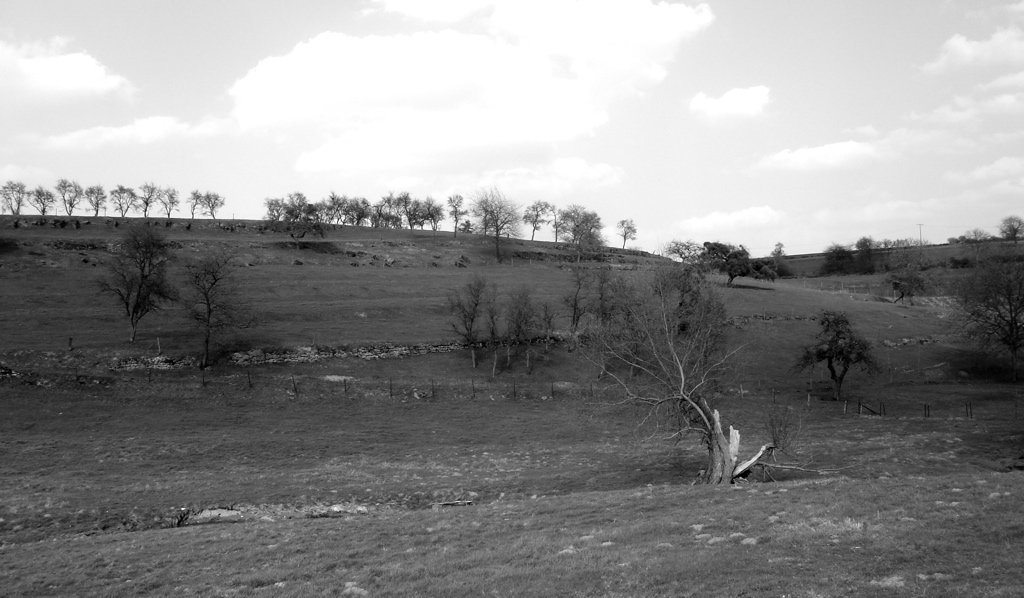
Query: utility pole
[[920, 236]]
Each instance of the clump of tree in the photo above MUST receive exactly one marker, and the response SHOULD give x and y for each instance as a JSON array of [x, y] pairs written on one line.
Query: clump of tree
[[779, 262], [467, 306], [991, 306], [582, 227], [733, 261], [664, 343], [294, 215], [839, 259], [1011, 228], [137, 277], [212, 301], [496, 215], [840, 347]]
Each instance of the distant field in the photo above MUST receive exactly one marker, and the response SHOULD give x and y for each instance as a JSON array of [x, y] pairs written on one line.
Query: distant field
[[422, 476]]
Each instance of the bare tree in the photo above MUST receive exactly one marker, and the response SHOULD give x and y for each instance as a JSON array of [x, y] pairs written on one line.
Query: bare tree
[[576, 300], [536, 215], [520, 320], [627, 230], [70, 194], [14, 195], [148, 196], [664, 343], [583, 227], [357, 211], [195, 202], [96, 198], [169, 200], [123, 199], [42, 199], [212, 300], [1011, 228], [498, 216], [840, 347], [211, 203], [137, 275], [455, 211], [558, 225], [433, 212], [467, 306], [992, 306]]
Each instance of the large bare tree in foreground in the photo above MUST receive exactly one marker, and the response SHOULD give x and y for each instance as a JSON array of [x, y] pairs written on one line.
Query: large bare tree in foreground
[[663, 341]]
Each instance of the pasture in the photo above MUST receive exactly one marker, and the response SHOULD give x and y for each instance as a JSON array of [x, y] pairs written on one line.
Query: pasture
[[420, 476]]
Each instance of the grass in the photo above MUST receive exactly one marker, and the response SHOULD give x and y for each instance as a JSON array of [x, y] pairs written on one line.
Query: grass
[[337, 487]]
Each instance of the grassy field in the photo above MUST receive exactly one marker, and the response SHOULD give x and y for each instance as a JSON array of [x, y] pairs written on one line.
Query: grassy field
[[421, 476]]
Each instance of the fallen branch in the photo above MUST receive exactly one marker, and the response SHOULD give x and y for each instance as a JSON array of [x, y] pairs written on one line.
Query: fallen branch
[[453, 503]]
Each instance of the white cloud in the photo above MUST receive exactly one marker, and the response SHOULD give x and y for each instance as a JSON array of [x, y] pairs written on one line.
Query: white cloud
[[1011, 81], [46, 70], [1005, 46], [748, 101], [1005, 167], [541, 73], [30, 175], [449, 11], [832, 155], [747, 218], [141, 131]]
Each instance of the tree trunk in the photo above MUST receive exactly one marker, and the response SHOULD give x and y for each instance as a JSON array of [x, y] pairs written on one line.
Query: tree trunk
[[722, 452], [472, 352], [494, 367]]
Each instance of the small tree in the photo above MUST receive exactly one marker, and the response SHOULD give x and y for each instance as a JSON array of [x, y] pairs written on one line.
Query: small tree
[[865, 256], [211, 203], [1011, 228], [838, 260], [455, 211], [520, 320], [97, 199], [498, 216], [212, 301], [992, 306], [70, 194], [123, 199], [137, 275], [583, 227], [840, 347], [14, 195], [433, 212], [169, 200], [466, 306], [627, 230], [536, 215], [42, 199], [731, 260], [195, 203], [356, 211], [148, 197]]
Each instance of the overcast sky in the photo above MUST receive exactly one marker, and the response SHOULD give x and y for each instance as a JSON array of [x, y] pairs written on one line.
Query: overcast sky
[[753, 122]]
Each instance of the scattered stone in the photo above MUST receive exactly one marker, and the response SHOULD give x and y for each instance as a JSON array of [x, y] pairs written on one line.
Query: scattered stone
[[664, 545], [585, 538], [716, 540], [737, 535], [697, 527], [773, 519], [934, 577], [702, 536], [569, 550], [607, 543], [749, 541], [995, 495]]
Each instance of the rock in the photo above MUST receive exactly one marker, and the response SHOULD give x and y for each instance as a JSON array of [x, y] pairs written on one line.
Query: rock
[[296, 262], [749, 541]]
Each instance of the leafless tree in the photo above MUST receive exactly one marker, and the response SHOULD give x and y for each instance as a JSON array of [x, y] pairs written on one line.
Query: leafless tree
[[1012, 228], [123, 199], [42, 199], [96, 198], [195, 203], [433, 212], [211, 203], [627, 230], [148, 196], [70, 194], [664, 343], [212, 300], [498, 216], [520, 320], [455, 211], [169, 200], [14, 195], [840, 347], [536, 215], [992, 306], [138, 275], [467, 307]]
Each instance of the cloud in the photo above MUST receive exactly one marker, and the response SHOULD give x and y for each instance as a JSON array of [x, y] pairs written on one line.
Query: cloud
[[141, 131], [449, 11], [832, 155], [410, 100], [748, 101], [1005, 167], [1005, 46], [718, 222], [30, 175], [1011, 81], [970, 109], [46, 70]]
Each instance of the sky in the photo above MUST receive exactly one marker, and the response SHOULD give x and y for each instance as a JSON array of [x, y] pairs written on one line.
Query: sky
[[749, 122]]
